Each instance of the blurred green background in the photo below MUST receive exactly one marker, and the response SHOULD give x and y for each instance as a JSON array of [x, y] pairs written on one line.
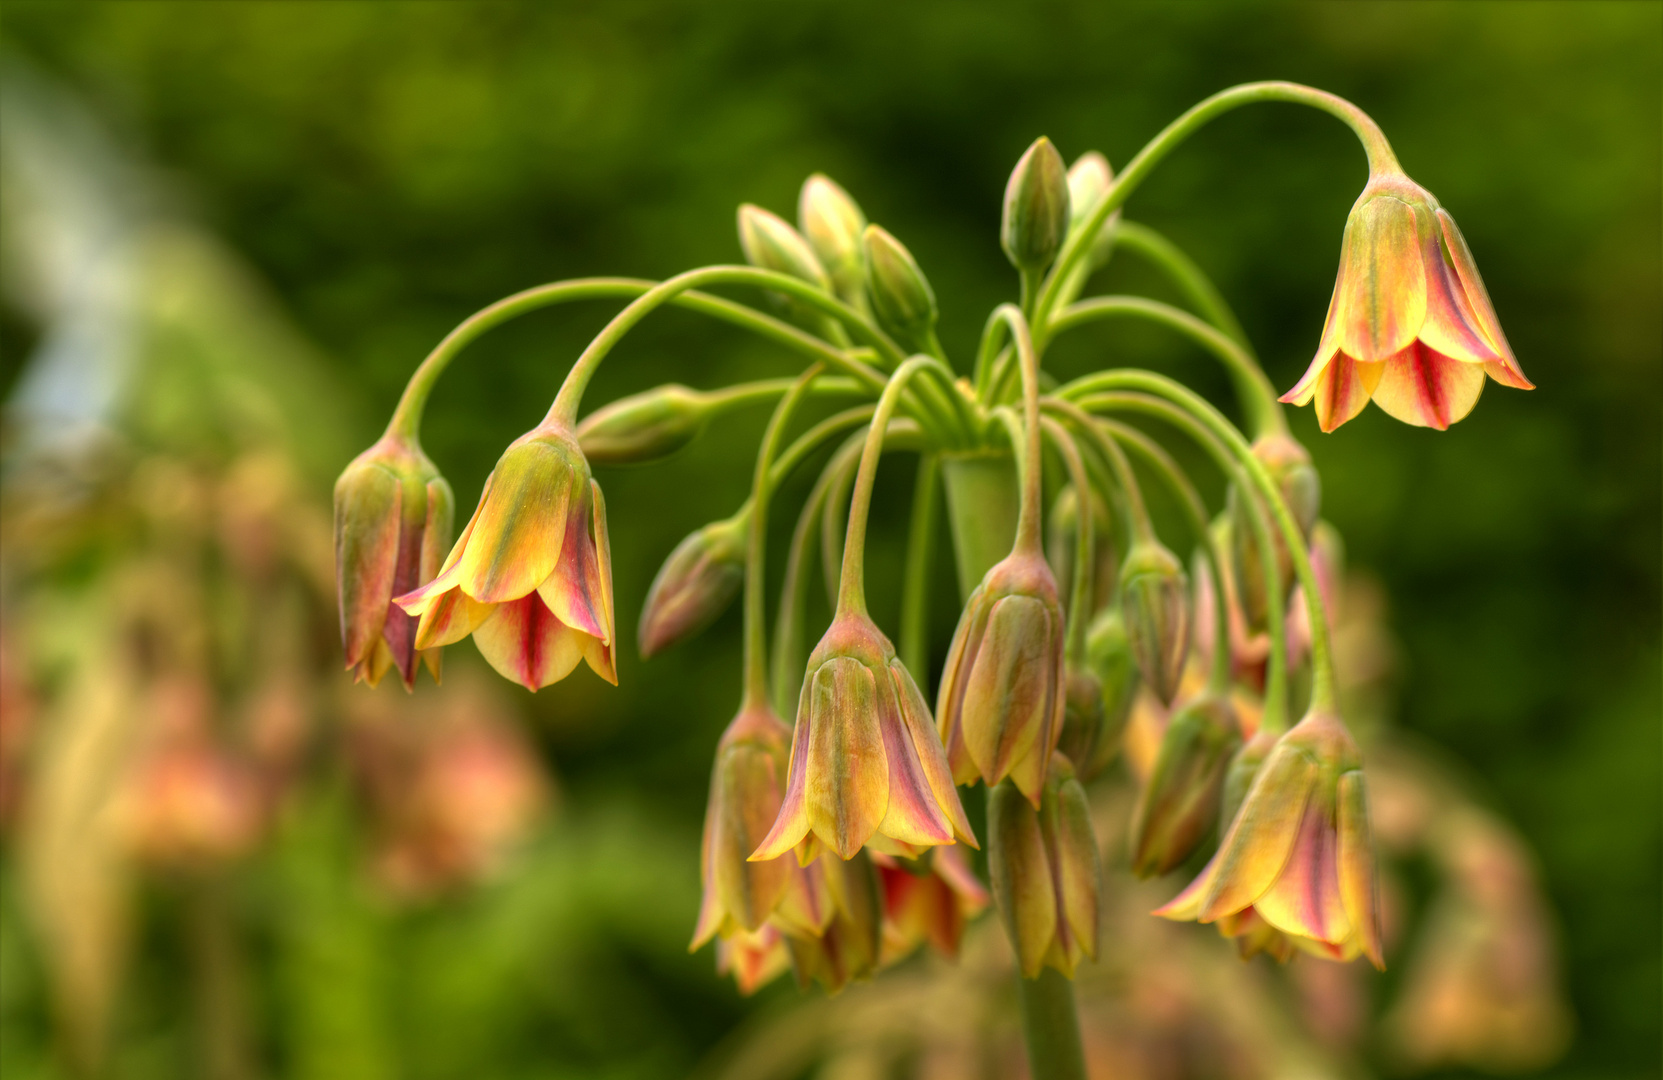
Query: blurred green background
[[391, 167]]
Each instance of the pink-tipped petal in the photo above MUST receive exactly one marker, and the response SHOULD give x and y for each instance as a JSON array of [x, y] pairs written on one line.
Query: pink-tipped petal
[[914, 816], [1305, 899], [448, 618], [1427, 389], [792, 824], [1382, 284], [915, 714], [1359, 888], [848, 773], [525, 643], [1261, 838], [1451, 326], [1343, 390], [572, 590], [449, 576], [520, 530], [1505, 370], [1186, 906]]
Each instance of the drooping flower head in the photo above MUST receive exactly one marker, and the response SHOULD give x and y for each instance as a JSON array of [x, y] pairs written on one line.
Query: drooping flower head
[[531, 575], [866, 765], [1299, 855], [1410, 325], [695, 585], [393, 516], [1178, 806], [1002, 693]]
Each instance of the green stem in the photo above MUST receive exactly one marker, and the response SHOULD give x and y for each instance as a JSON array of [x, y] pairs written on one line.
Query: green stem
[[756, 629], [1182, 271], [1051, 1025], [851, 594], [1323, 685], [1028, 521], [1085, 540], [1138, 525], [1374, 142], [1253, 387], [915, 587]]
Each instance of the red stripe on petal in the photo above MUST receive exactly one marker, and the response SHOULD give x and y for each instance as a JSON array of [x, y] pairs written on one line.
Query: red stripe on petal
[[1343, 390], [1427, 389]]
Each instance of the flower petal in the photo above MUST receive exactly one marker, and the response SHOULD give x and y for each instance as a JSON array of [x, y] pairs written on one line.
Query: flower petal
[[1261, 838], [367, 516], [1021, 876], [847, 780], [1505, 370], [573, 589], [525, 642], [1305, 899], [416, 601], [1343, 390], [1427, 389], [1186, 906], [913, 816], [1382, 285], [450, 617], [1359, 889], [1006, 703], [1078, 867], [521, 525], [1451, 326], [961, 655]]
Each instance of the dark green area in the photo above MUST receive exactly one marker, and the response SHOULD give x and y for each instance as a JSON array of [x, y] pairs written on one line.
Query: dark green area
[[390, 167]]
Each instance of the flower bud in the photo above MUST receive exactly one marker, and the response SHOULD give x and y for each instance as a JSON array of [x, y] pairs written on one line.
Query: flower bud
[[1178, 807], [1002, 696], [1082, 715], [901, 298], [745, 790], [393, 516], [645, 427], [832, 223], [769, 242], [695, 585], [1046, 872], [1109, 654], [1035, 217], [1301, 488], [1154, 599], [850, 945], [1063, 536], [865, 759], [1089, 179]]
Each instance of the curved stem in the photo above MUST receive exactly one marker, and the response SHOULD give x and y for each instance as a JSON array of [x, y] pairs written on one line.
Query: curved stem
[[756, 629], [1253, 387], [1323, 685], [1085, 540], [851, 593], [1029, 519], [1379, 151], [1138, 526], [1275, 714], [1181, 270], [915, 587], [407, 416]]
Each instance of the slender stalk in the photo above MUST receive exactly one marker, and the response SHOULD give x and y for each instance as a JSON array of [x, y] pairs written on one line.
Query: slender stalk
[[1085, 540], [749, 393], [1138, 525], [1379, 151], [1323, 685], [756, 569], [1253, 386], [1182, 271], [1028, 521], [851, 594], [915, 588], [1051, 1023]]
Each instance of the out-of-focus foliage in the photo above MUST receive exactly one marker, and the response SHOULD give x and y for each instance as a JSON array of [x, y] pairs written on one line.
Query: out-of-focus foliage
[[391, 167]]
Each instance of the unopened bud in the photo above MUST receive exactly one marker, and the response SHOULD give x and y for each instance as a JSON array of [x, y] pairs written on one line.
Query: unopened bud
[[746, 785], [901, 298], [1301, 488], [695, 585], [1154, 598], [771, 243], [644, 427], [1109, 654], [1046, 872], [1089, 179], [1082, 716], [832, 223], [1179, 805], [850, 945], [1036, 208]]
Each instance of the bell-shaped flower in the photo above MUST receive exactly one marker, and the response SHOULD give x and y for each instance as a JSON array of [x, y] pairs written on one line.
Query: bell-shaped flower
[[1299, 853], [1410, 324], [1178, 807], [746, 787], [1002, 695], [1154, 601], [393, 516], [849, 944], [1046, 872], [866, 764], [531, 575], [695, 585], [929, 900]]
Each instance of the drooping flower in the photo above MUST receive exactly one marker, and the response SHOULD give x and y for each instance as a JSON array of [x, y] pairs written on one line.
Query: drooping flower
[[695, 585], [1178, 806], [930, 900], [849, 943], [1046, 871], [866, 765], [1002, 696], [392, 519], [754, 958], [1410, 324], [531, 575], [1299, 855], [1154, 601]]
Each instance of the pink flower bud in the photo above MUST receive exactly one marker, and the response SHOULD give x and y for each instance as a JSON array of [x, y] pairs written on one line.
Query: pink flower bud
[[695, 585], [1154, 600], [1178, 807], [1046, 872]]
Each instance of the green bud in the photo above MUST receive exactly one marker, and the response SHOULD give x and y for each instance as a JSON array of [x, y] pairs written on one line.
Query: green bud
[[1109, 654], [1082, 717], [1154, 598], [1036, 208], [901, 298], [1089, 179], [1179, 805], [1045, 871], [695, 585], [1062, 528], [644, 427], [1301, 488], [832, 223], [771, 243]]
